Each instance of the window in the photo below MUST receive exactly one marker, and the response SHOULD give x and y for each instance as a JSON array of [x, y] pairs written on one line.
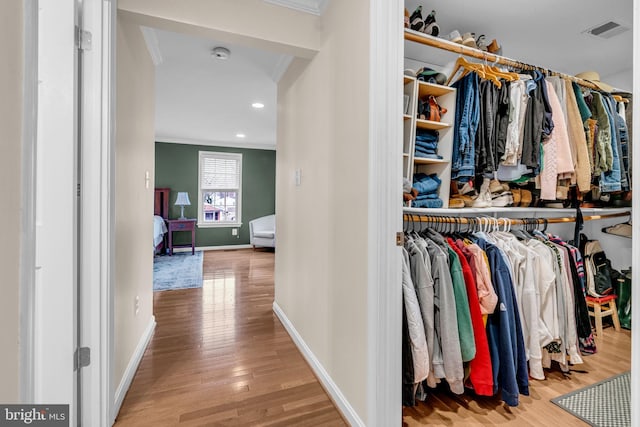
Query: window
[[219, 189]]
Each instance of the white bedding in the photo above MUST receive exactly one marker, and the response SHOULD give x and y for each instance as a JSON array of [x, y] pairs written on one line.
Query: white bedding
[[159, 229]]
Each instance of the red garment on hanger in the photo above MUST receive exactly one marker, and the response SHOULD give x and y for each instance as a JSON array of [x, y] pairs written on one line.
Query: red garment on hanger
[[481, 373]]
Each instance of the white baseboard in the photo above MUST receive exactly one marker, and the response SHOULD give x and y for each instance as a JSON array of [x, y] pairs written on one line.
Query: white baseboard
[[327, 382], [213, 248], [130, 372]]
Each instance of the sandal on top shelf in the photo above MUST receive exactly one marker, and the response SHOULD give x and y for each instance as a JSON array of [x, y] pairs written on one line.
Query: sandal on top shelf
[[415, 20]]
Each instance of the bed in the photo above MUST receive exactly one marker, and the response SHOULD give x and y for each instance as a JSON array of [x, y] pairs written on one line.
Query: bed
[[160, 215]]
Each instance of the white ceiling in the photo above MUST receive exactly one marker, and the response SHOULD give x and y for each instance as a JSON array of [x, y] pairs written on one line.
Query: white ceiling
[[206, 101], [547, 33]]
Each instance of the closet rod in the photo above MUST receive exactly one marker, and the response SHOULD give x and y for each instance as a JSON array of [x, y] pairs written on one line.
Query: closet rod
[[487, 56], [513, 221]]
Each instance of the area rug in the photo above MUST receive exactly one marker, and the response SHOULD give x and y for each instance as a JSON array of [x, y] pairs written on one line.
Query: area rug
[[603, 404], [180, 271]]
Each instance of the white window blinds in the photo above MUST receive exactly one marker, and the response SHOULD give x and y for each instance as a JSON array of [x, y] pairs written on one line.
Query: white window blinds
[[220, 172]]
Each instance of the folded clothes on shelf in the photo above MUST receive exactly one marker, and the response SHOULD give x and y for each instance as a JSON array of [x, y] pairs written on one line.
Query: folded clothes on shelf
[[428, 156], [426, 183], [427, 196], [427, 203], [427, 135], [427, 145]]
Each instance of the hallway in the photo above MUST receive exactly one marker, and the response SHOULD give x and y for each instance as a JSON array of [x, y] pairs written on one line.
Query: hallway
[[219, 356]]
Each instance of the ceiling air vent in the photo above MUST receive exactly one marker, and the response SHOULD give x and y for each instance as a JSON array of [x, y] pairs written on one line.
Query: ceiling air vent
[[607, 30]]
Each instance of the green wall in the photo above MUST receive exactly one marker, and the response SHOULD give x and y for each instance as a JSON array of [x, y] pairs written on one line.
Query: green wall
[[177, 168]]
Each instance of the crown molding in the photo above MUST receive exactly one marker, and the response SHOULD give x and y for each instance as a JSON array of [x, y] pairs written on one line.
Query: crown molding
[[153, 46], [281, 66], [233, 144], [314, 7]]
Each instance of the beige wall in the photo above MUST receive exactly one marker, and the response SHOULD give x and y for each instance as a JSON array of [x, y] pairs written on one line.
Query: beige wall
[[11, 37], [321, 261], [249, 22], [135, 106]]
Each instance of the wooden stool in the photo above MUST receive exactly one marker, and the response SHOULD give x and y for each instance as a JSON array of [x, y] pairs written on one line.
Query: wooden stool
[[608, 303]]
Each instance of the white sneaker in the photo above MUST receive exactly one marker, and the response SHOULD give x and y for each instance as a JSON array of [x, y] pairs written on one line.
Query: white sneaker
[[484, 196], [454, 36], [502, 200]]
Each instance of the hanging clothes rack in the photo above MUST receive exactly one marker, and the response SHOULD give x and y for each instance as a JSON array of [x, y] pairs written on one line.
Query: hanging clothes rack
[[435, 218], [428, 40]]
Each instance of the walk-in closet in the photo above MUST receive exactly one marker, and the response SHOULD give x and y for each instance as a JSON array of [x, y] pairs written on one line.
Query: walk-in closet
[[517, 243]]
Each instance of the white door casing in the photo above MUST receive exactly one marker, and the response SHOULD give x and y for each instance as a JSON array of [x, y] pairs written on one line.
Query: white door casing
[[54, 293], [97, 116]]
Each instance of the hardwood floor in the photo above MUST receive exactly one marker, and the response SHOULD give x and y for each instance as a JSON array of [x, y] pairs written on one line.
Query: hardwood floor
[[443, 408], [219, 356]]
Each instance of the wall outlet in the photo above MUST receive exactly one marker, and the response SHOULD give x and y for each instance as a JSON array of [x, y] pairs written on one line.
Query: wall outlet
[[234, 231], [136, 305]]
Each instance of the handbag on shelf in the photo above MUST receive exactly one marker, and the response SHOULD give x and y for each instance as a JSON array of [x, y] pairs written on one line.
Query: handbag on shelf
[[429, 109]]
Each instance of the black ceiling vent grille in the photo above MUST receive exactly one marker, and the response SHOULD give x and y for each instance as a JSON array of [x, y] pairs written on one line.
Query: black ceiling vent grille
[[607, 30]]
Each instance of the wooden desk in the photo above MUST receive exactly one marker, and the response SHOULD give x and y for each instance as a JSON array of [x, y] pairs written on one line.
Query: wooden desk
[[181, 225]]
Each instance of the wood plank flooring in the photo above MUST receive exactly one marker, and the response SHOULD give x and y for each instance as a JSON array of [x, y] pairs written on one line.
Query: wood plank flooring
[[219, 356], [443, 408]]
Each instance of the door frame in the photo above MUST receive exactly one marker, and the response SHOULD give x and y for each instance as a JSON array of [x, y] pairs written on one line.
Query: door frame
[[27, 246], [384, 303], [97, 109], [95, 265]]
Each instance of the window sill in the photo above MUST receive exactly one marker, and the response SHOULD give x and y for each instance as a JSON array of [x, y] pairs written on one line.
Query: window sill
[[219, 225]]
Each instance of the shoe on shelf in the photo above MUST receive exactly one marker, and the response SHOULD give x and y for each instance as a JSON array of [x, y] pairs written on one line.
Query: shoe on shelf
[[430, 25], [469, 39], [496, 187], [484, 196], [494, 47], [454, 36], [468, 189], [502, 200], [415, 20], [432, 29], [481, 42], [517, 195], [525, 198], [456, 203]]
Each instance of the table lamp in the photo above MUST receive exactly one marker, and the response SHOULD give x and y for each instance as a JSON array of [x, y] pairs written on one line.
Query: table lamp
[[182, 200]]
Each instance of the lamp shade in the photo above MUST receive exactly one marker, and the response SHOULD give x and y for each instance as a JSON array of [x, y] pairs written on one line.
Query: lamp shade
[[183, 199]]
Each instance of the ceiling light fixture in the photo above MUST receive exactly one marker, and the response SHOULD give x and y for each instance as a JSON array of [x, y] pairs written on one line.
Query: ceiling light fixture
[[220, 52], [240, 135], [257, 105]]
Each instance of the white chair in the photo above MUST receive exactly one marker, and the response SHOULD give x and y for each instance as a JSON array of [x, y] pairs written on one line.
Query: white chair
[[262, 231]]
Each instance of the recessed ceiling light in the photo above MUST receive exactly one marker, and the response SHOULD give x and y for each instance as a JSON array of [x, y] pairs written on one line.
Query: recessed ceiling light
[[257, 105], [240, 135]]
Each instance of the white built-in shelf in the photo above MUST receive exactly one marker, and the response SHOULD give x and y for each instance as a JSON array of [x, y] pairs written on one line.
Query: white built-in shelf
[[431, 125], [405, 154], [424, 161], [408, 79], [407, 116], [425, 89]]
